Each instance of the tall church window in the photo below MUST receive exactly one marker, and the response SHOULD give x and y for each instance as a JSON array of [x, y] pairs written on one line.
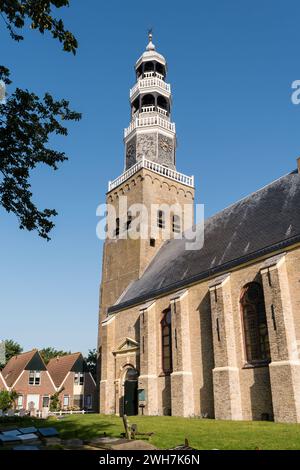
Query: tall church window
[[166, 332], [176, 226], [161, 223], [117, 227], [255, 324]]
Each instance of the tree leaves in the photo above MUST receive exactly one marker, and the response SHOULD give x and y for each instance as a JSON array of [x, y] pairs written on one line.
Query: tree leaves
[[15, 13], [27, 121], [51, 353], [91, 361]]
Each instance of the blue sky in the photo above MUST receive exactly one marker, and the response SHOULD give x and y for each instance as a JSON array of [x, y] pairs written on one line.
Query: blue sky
[[231, 66]]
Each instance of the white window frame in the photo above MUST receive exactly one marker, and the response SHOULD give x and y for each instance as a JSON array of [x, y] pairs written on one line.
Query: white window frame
[[45, 396], [36, 375], [64, 398], [20, 399], [79, 378]]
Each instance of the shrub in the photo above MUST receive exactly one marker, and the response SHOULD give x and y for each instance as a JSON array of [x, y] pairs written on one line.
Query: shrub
[[7, 400]]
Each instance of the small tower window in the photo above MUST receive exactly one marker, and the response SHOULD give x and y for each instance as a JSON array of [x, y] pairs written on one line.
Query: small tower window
[[166, 333], [255, 324], [176, 226], [161, 223], [117, 227], [152, 242], [160, 69], [129, 220]]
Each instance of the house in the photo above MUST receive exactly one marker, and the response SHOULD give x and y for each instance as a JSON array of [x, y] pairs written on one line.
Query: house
[[77, 385], [27, 374]]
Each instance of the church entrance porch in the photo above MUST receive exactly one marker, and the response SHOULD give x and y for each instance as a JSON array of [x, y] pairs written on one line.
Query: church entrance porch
[[131, 393]]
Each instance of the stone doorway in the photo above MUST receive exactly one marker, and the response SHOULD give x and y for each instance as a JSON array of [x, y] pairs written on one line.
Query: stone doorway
[[131, 393]]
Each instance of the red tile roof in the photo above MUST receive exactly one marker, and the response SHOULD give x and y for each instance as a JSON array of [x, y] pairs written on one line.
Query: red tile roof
[[16, 365], [58, 367]]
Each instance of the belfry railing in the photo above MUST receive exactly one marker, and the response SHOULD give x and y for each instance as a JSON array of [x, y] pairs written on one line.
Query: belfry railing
[[156, 168], [152, 82], [150, 121]]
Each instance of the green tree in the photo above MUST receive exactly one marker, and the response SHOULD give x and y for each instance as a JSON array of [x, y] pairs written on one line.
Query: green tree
[[12, 348], [55, 401], [8, 400], [27, 121], [91, 361], [50, 353]]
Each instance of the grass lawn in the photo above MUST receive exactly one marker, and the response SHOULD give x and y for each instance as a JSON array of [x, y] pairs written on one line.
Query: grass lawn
[[171, 431]]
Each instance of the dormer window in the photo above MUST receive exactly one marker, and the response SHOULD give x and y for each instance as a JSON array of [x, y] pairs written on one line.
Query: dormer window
[[34, 377], [79, 378]]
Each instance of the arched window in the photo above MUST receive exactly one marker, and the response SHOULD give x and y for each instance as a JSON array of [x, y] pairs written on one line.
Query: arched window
[[135, 106], [162, 103], [148, 101], [160, 69], [161, 223], [166, 333], [255, 324], [132, 374]]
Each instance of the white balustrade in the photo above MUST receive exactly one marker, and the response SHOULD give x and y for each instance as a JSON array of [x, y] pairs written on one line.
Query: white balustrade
[[150, 121], [151, 82], [152, 74], [147, 75], [157, 168], [148, 109], [162, 111]]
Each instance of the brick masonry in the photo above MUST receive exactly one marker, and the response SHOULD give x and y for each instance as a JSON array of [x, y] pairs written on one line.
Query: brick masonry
[[211, 377]]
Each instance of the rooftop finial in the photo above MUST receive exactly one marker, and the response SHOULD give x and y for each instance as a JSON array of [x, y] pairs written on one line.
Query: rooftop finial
[[150, 46]]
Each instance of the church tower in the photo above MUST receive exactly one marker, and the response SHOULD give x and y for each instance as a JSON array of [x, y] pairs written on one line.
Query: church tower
[[149, 178]]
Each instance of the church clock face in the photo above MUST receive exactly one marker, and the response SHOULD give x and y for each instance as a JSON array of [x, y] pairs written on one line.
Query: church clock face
[[166, 145], [130, 151], [130, 155]]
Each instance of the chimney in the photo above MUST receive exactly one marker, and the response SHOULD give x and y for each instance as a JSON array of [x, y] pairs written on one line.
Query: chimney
[[298, 164]]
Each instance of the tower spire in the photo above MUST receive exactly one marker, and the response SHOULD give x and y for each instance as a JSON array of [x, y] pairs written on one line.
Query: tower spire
[[151, 46]]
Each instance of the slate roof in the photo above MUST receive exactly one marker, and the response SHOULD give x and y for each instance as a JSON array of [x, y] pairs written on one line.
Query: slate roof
[[261, 223], [16, 365], [58, 367]]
